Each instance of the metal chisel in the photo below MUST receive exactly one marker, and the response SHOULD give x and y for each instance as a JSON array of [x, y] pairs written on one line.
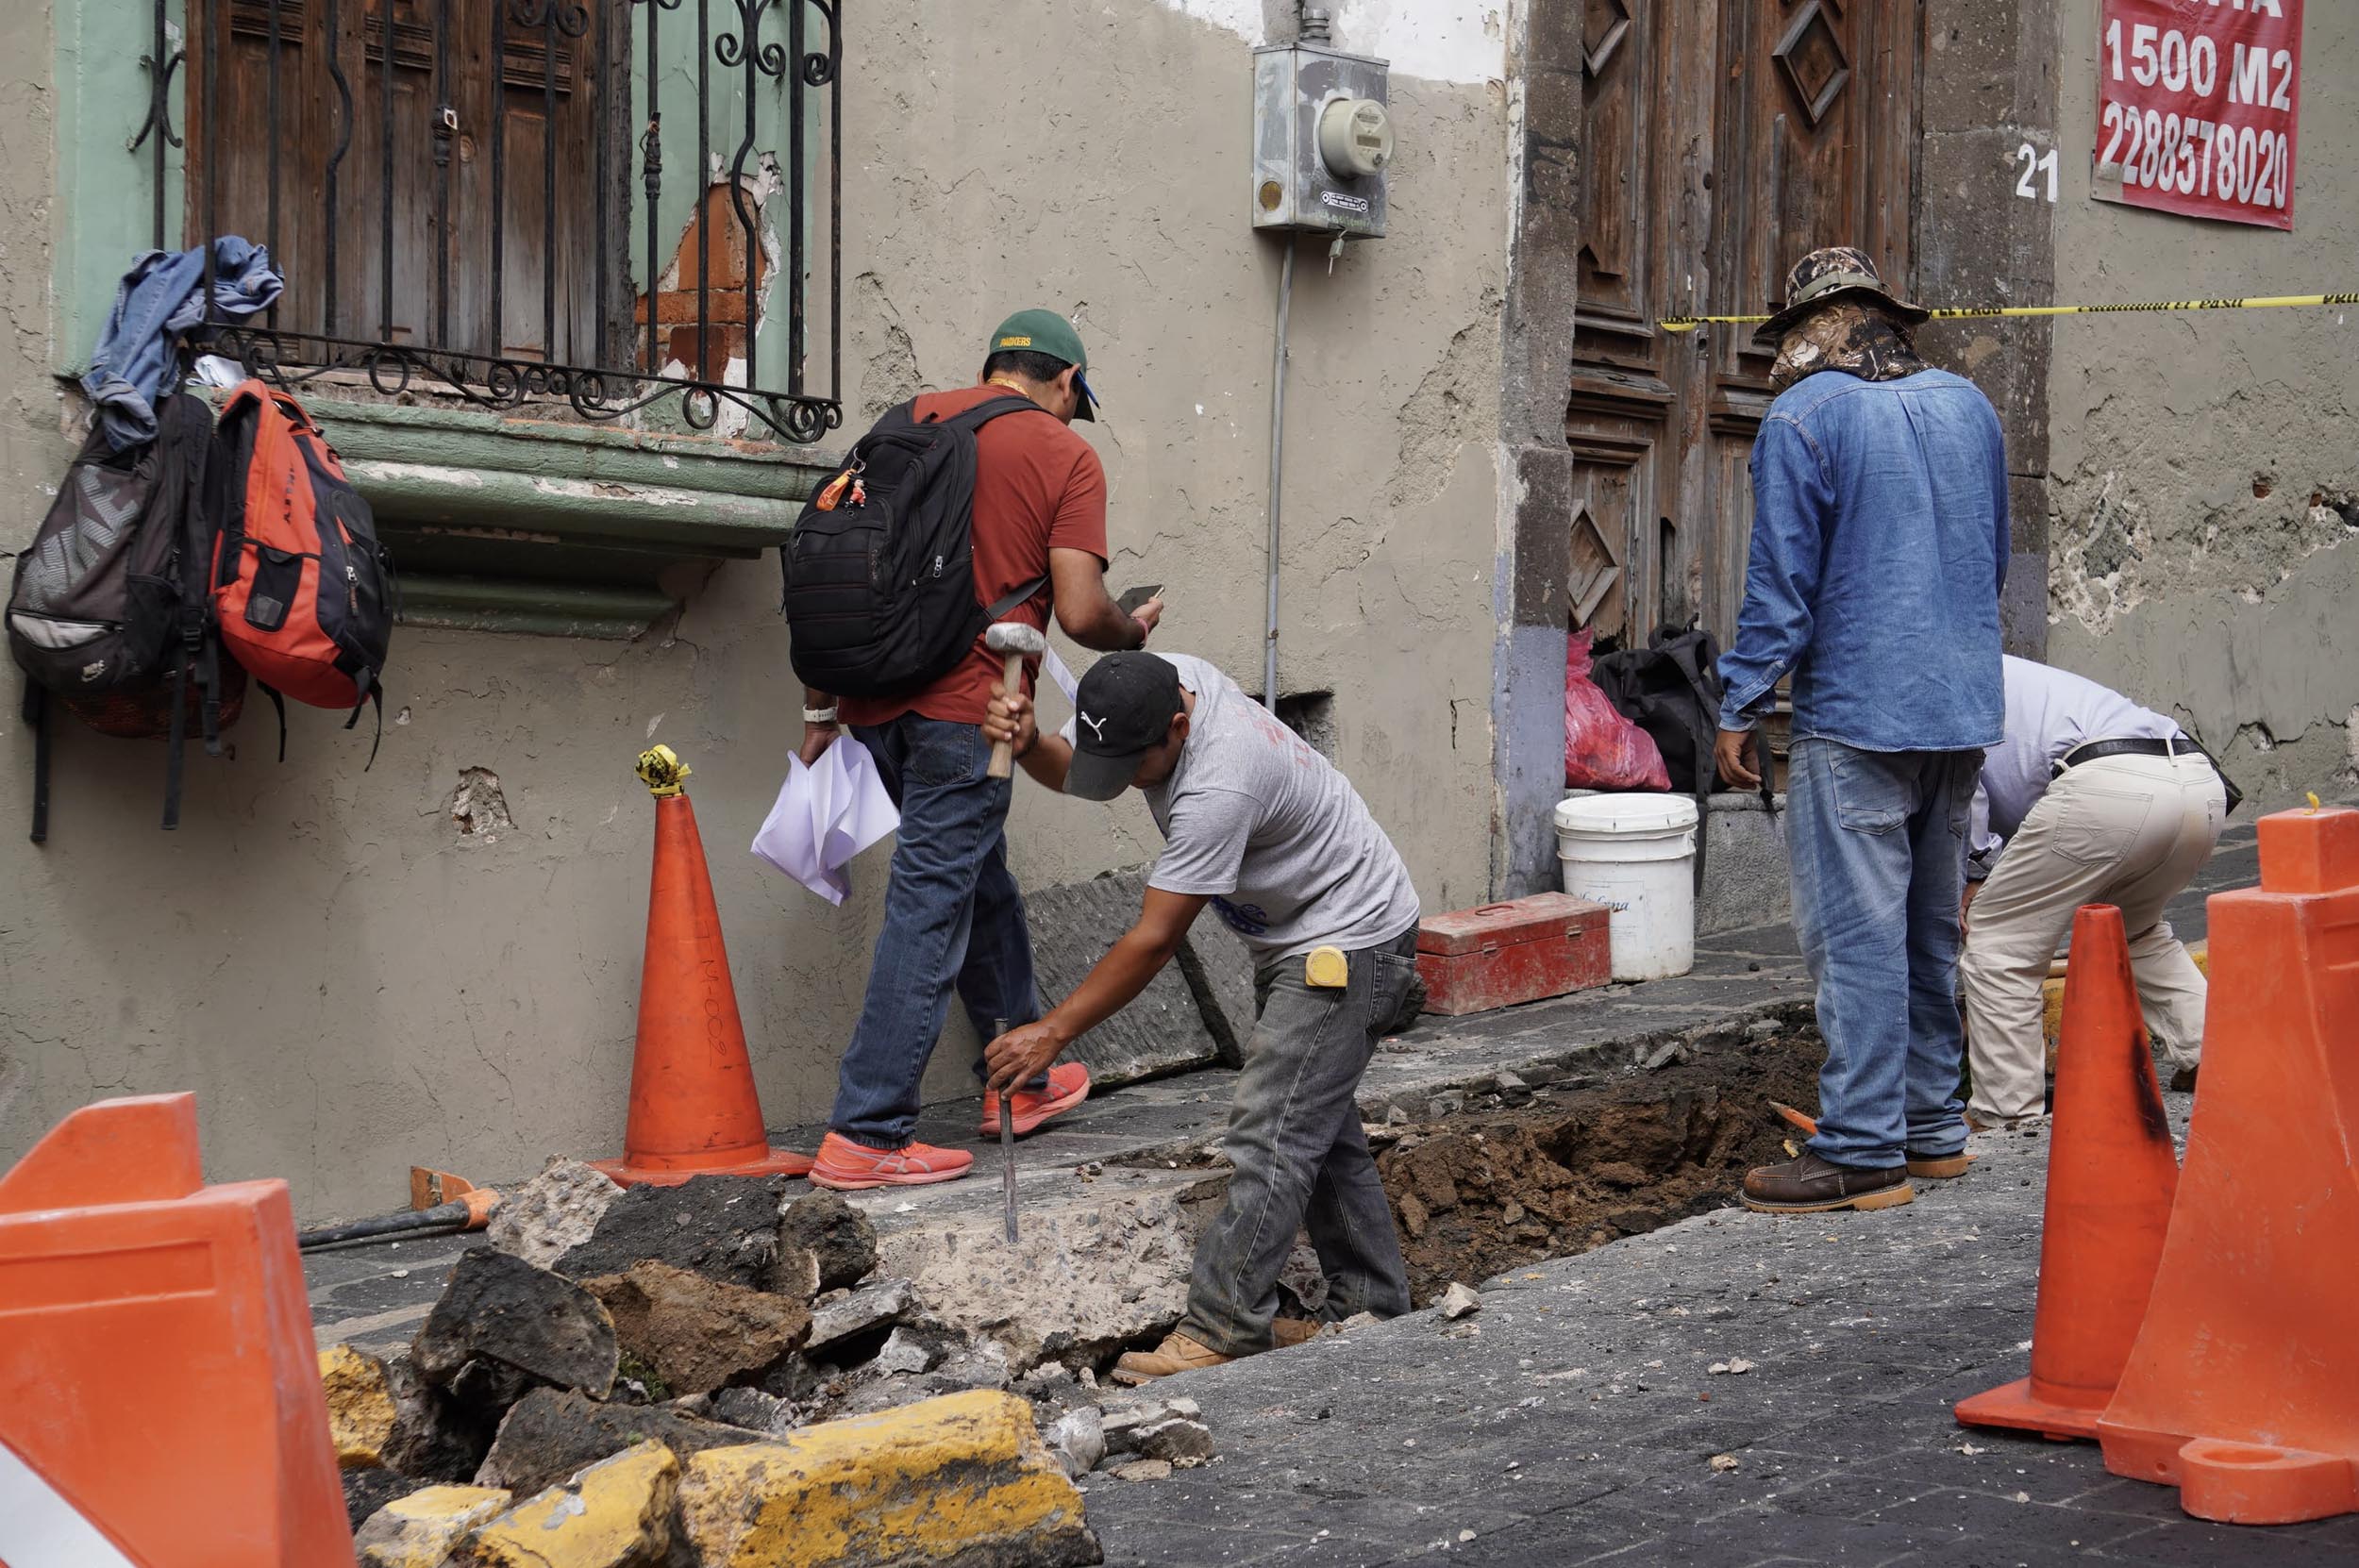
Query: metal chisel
[[1006, 1144]]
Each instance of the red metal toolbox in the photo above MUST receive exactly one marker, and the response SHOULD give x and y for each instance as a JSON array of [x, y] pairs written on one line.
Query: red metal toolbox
[[1499, 954]]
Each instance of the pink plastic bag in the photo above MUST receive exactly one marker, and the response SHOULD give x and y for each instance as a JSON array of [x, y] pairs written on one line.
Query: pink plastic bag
[[1603, 750]]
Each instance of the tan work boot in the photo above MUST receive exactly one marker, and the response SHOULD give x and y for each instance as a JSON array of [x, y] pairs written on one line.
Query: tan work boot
[[1177, 1353]]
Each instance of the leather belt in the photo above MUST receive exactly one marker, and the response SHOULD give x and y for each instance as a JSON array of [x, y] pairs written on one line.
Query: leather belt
[[2090, 751]]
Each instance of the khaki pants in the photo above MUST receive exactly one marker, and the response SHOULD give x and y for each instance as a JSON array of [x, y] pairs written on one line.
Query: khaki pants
[[2131, 832]]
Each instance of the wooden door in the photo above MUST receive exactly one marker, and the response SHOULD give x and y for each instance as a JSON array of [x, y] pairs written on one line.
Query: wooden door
[[1723, 139]]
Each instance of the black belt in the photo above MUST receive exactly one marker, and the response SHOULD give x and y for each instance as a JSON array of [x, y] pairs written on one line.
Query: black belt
[[2092, 750]]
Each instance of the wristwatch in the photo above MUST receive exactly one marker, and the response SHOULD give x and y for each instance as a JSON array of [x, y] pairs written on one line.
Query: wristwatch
[[818, 715]]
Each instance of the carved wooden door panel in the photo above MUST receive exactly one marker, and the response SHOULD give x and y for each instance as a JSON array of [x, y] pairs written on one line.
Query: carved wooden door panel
[[1720, 144]]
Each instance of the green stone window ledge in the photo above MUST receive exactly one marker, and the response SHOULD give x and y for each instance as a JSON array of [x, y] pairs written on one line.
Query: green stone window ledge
[[509, 523]]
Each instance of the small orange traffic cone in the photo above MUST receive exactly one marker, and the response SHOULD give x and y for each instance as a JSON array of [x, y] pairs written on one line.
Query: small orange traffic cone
[[693, 1110], [2243, 1388], [2111, 1178]]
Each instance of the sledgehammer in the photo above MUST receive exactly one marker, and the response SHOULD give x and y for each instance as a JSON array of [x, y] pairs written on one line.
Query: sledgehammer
[[1016, 640]]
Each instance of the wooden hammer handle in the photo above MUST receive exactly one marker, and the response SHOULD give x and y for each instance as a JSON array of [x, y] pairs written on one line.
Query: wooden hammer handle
[[1002, 753]]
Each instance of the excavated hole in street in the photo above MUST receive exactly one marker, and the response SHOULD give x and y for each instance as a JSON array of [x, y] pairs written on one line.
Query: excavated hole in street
[[1479, 1194], [1521, 1176]]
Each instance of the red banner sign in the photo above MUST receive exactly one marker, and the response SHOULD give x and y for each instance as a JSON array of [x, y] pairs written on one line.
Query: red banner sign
[[2197, 103]]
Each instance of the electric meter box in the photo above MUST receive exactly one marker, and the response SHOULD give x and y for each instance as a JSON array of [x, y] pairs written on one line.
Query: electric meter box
[[1322, 140]]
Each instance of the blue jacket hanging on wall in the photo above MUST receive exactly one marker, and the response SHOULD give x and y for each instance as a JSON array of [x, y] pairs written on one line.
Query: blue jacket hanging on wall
[[159, 300]]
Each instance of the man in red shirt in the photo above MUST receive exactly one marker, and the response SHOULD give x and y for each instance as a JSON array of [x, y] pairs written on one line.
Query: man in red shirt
[[953, 916]]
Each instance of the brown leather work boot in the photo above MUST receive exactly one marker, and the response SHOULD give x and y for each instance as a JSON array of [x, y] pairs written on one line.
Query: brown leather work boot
[[1939, 1167], [1177, 1353], [1812, 1186]]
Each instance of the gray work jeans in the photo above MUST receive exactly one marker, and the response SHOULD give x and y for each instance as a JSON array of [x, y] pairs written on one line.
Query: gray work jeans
[[1300, 1157]]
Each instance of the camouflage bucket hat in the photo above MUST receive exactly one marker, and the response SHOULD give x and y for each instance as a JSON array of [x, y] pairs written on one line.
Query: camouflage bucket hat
[[1824, 274]]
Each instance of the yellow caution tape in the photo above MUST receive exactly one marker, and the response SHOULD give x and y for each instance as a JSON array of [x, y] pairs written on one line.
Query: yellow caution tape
[[1982, 313], [660, 770]]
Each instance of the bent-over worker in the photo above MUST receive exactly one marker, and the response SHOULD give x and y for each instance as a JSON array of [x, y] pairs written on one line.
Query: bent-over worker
[[2093, 800], [953, 915], [1267, 831]]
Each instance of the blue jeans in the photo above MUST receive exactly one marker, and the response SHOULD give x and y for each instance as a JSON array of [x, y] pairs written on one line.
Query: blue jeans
[[1877, 843], [953, 917]]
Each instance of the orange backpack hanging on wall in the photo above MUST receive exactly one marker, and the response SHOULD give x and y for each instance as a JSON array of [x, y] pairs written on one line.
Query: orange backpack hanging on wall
[[302, 590]]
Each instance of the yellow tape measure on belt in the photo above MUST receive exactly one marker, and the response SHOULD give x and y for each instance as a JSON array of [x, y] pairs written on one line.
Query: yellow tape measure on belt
[[1971, 312]]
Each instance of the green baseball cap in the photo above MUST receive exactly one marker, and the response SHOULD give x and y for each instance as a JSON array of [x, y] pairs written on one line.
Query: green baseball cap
[[1047, 332]]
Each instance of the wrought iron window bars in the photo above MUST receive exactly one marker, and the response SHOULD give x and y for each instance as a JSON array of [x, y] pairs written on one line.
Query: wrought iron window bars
[[337, 62]]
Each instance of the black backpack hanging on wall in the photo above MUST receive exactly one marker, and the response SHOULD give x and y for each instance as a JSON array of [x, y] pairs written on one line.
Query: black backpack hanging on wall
[[880, 570], [107, 614]]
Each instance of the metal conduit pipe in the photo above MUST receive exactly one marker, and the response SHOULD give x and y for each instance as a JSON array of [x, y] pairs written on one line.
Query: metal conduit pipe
[[1277, 471]]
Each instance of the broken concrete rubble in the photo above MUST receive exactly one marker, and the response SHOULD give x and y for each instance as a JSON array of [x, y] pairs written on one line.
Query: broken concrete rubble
[[367, 1490], [964, 1479], [753, 1409], [435, 1436], [1459, 1301], [360, 1412], [1100, 1269], [910, 1351], [723, 1228], [1170, 1429], [862, 1311], [616, 1514], [554, 1212], [503, 1325], [551, 1434], [424, 1528], [823, 1243], [1079, 1439], [692, 1333]]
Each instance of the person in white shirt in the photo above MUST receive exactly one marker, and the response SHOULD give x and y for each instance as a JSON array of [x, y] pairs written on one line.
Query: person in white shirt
[[2093, 800]]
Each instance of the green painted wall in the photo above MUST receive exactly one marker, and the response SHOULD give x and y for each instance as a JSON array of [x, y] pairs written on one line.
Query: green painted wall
[[105, 193]]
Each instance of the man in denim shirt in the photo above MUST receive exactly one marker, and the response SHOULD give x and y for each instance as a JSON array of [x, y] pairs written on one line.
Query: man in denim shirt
[[1879, 544]]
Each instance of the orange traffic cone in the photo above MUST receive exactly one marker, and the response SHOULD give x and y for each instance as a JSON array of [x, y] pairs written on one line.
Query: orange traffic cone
[[159, 1392], [693, 1110], [2111, 1175], [2243, 1388]]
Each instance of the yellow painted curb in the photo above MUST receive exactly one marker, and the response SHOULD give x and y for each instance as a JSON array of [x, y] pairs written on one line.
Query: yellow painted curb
[[616, 1514], [419, 1530], [965, 1478], [360, 1412]]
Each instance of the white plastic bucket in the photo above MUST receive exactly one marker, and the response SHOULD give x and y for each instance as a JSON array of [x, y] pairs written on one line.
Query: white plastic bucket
[[1636, 853]]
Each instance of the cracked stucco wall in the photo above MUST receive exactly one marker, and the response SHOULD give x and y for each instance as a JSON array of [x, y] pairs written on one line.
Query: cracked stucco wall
[[353, 985], [2205, 556]]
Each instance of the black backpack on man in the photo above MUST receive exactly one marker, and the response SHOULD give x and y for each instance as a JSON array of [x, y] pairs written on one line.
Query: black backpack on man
[[880, 570], [109, 613]]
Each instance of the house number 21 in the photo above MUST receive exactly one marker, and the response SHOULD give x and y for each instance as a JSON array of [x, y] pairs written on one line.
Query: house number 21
[[2032, 164]]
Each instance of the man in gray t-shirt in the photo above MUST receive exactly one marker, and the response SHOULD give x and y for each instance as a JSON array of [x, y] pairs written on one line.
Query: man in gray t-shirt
[[1267, 831]]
